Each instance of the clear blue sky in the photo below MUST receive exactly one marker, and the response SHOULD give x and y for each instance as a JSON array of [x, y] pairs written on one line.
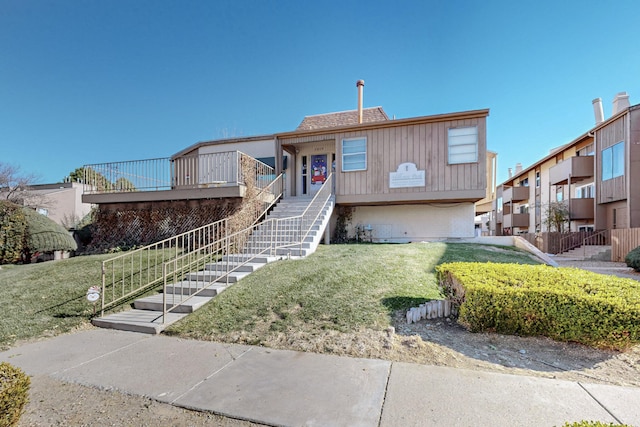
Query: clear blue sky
[[89, 81]]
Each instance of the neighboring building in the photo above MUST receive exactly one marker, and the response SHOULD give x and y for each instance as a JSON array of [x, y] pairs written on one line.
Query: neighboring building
[[61, 202], [595, 175], [394, 180]]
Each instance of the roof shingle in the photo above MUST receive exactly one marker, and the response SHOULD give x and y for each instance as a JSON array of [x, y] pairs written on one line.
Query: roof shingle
[[344, 118]]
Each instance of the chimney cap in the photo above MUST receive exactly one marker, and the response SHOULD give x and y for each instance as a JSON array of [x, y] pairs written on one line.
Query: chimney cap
[[360, 83]]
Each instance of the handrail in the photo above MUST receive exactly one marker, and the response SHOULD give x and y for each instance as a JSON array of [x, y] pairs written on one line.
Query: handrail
[[582, 238], [235, 250], [126, 275], [597, 238]]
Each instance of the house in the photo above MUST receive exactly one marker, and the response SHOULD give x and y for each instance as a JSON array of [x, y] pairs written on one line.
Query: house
[[61, 202], [595, 176], [393, 180]]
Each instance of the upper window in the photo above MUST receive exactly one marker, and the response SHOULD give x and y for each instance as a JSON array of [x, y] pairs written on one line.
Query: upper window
[[354, 154], [524, 182], [613, 161], [538, 179], [463, 145]]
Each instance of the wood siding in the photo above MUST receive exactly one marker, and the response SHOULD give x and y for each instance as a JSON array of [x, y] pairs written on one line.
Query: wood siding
[[422, 144], [633, 169], [613, 189], [622, 241]]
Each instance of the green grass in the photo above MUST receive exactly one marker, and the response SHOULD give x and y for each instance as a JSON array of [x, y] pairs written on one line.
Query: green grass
[[340, 287], [46, 298]]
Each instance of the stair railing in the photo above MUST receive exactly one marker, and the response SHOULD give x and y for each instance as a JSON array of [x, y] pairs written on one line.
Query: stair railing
[[213, 263], [600, 238], [133, 272]]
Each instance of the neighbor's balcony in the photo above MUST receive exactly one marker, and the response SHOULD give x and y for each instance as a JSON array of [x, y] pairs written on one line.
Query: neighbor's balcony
[[191, 177], [515, 220], [581, 208], [515, 194], [577, 168]]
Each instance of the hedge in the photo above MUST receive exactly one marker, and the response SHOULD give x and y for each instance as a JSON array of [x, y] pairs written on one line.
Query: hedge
[[13, 229], [564, 304], [14, 394]]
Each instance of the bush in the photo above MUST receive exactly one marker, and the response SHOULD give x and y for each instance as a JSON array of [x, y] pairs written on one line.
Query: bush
[[24, 231], [13, 228], [633, 259], [14, 394], [564, 304]]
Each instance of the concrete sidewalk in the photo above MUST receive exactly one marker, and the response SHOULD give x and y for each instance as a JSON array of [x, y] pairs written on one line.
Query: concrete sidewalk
[[287, 388]]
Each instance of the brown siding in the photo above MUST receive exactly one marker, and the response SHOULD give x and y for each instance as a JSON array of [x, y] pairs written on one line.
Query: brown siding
[[387, 148], [622, 241], [612, 189], [634, 168]]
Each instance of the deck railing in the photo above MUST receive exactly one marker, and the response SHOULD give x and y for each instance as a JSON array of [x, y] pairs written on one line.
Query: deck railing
[[577, 239], [200, 171], [133, 272]]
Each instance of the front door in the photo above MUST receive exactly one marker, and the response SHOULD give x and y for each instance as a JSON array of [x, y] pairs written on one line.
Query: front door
[[318, 172]]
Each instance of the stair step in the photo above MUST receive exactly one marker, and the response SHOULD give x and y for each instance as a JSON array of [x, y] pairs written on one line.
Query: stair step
[[143, 321], [235, 266], [154, 303], [213, 276], [188, 287]]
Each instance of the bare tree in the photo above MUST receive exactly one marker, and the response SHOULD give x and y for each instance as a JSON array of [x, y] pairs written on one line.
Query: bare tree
[[15, 186], [557, 216]]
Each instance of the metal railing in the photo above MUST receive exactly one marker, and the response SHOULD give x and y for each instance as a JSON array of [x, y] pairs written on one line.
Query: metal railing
[[584, 238], [161, 174], [133, 272], [216, 261]]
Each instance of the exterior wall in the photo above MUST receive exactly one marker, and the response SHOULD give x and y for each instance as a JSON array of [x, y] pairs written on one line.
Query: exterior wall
[[63, 202], [426, 146], [613, 189], [421, 141], [413, 223], [633, 168]]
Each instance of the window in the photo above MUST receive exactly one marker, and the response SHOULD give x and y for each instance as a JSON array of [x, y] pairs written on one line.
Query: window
[[524, 182], [524, 209], [43, 211], [538, 179], [559, 197], [613, 161], [586, 191], [354, 154], [463, 145]]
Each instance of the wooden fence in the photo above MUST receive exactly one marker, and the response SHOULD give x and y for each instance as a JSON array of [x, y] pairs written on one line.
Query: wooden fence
[[622, 241]]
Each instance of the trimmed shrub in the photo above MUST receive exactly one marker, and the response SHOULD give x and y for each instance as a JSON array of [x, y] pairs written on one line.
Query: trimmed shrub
[[564, 304], [45, 235], [13, 228], [633, 259], [14, 394]]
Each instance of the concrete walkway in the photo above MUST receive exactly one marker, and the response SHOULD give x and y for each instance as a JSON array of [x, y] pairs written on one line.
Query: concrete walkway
[[287, 388]]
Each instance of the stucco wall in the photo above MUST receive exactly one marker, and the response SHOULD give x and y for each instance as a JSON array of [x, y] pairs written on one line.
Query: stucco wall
[[413, 223]]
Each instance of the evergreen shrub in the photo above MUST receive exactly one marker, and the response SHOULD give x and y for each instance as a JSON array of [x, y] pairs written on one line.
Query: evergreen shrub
[[565, 304], [633, 259], [14, 394]]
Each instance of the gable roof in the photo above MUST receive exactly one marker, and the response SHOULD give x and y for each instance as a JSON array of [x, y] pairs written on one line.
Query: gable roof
[[344, 118]]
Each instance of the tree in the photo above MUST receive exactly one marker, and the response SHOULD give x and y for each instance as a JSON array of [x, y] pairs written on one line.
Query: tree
[[16, 187], [557, 216], [92, 178]]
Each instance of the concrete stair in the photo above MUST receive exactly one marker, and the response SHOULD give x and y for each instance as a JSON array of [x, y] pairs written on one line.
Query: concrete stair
[[146, 315], [588, 253]]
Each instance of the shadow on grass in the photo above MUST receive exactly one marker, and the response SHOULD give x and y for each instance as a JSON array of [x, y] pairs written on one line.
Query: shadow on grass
[[399, 302]]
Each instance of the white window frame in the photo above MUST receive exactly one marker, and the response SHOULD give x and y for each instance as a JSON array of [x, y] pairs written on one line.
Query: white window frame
[[346, 156], [462, 145]]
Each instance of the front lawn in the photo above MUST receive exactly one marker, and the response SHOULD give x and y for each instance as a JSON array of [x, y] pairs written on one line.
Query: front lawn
[[340, 288]]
